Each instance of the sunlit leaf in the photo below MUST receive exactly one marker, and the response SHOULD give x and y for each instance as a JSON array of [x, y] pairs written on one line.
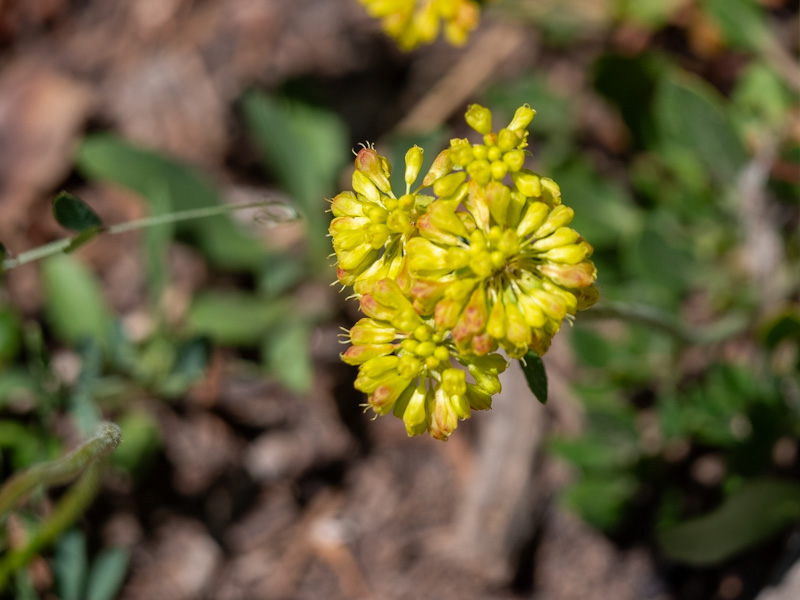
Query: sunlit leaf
[[690, 113]]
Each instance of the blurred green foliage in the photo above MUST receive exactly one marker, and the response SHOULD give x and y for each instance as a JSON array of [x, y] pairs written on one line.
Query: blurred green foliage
[[665, 212]]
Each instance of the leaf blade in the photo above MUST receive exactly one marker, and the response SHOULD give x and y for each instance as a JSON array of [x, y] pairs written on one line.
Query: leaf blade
[[535, 375]]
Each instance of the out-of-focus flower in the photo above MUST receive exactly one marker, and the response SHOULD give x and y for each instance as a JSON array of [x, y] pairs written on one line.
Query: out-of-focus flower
[[371, 225], [506, 270], [407, 367], [416, 22]]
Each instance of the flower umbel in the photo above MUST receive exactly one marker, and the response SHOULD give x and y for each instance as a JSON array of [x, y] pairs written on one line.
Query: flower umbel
[[488, 262], [416, 22]]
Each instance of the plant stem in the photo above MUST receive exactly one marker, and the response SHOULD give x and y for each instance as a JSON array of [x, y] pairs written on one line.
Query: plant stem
[[661, 321], [282, 213], [62, 470], [66, 512]]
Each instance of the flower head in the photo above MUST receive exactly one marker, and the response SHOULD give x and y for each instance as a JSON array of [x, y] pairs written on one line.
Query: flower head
[[416, 22], [487, 262]]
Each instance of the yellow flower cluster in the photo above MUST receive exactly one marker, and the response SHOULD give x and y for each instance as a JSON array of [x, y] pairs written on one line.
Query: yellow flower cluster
[[416, 22], [487, 262]]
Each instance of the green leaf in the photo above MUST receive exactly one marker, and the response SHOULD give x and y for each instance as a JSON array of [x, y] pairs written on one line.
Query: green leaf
[[305, 148], [690, 113], [74, 304], [743, 22], [234, 318], [584, 189], [23, 586], [533, 367], [142, 441], [81, 400], [757, 511], [784, 326], [600, 500], [107, 574], [103, 157], [287, 355], [629, 83], [73, 213], [70, 565], [10, 335]]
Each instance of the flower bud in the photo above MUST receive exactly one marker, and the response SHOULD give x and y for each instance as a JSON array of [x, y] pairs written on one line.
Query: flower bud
[[563, 236], [370, 331], [413, 164], [374, 167], [447, 185], [561, 215], [480, 171], [528, 183], [571, 276], [551, 193], [533, 218], [570, 255], [479, 118], [346, 204], [522, 118], [514, 159], [498, 196], [441, 166], [414, 415], [358, 355]]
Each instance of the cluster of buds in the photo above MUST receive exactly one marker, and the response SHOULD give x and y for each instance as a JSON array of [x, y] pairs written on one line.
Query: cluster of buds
[[416, 22], [485, 261]]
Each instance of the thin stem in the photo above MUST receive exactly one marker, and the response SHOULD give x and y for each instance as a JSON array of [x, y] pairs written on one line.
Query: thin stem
[[660, 321], [73, 504], [282, 213], [62, 470]]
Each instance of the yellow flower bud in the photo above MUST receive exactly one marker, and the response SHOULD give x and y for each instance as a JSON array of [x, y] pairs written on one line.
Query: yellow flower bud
[[527, 182], [533, 218], [346, 204], [563, 236], [414, 415], [551, 193], [441, 166], [358, 355], [447, 185], [479, 118], [371, 164], [413, 164], [561, 215], [522, 118], [514, 159], [498, 197]]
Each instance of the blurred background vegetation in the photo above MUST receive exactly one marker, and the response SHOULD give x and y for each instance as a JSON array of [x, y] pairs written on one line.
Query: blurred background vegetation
[[673, 128]]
